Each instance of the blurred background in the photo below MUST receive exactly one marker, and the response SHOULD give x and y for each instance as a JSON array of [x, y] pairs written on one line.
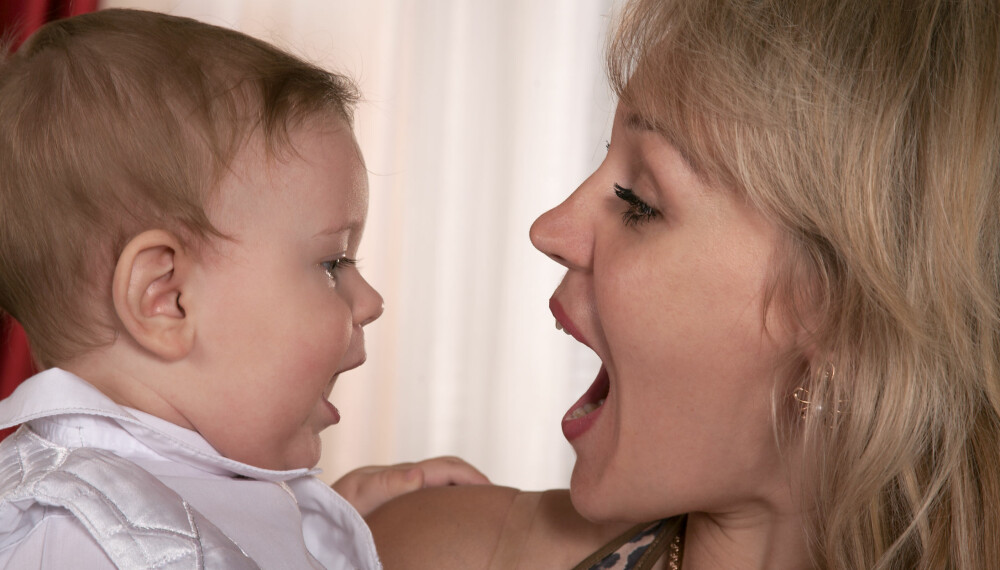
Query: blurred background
[[478, 115]]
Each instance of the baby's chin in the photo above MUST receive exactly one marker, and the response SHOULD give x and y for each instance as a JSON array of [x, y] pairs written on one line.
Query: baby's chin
[[306, 459], [288, 457]]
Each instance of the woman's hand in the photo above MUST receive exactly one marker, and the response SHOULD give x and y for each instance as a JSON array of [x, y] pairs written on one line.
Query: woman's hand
[[367, 488]]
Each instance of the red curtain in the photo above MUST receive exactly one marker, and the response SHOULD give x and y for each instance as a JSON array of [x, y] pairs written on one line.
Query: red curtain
[[18, 19], [15, 359]]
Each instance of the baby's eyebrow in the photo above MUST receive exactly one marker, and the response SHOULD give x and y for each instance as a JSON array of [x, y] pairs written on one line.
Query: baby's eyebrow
[[345, 226], [333, 230]]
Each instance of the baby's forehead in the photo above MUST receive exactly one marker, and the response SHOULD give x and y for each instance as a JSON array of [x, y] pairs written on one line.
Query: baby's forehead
[[319, 142], [318, 164]]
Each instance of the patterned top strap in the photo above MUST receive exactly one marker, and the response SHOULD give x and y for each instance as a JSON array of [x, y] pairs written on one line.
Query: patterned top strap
[[639, 547]]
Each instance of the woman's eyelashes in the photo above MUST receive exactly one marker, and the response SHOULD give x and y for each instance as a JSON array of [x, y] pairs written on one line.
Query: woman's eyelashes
[[331, 267], [637, 212]]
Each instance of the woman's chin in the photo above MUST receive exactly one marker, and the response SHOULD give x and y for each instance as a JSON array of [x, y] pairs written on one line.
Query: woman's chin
[[594, 502], [604, 500]]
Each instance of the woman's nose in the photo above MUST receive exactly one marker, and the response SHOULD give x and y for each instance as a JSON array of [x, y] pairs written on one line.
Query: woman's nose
[[564, 233]]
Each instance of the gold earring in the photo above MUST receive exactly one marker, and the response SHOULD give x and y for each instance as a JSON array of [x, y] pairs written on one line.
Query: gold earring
[[808, 406]]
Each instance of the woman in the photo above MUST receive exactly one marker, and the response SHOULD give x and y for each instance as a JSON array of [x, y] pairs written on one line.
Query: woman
[[789, 264]]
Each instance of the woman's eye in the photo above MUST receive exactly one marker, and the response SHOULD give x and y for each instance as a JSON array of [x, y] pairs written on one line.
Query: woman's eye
[[333, 265], [637, 212]]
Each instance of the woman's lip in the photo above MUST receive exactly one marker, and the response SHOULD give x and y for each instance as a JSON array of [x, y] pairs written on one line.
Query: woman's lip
[[573, 428], [568, 325]]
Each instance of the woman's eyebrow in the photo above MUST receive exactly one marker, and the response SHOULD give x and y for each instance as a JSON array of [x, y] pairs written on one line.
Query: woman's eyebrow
[[636, 122]]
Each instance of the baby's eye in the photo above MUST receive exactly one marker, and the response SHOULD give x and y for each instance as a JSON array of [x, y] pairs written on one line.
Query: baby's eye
[[638, 212], [333, 265]]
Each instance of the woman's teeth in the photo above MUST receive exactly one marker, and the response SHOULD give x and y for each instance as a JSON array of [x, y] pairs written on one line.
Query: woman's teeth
[[559, 327], [585, 409]]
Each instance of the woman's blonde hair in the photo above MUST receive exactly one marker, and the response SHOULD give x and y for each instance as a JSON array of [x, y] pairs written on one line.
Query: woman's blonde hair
[[869, 131], [120, 121]]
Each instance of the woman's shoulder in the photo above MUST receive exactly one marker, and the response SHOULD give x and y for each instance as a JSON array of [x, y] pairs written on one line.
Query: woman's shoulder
[[478, 526], [441, 527]]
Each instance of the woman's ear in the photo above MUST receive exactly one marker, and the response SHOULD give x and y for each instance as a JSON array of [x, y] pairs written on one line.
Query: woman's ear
[[147, 290]]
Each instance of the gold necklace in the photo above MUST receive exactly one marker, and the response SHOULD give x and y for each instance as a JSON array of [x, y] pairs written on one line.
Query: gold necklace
[[674, 558]]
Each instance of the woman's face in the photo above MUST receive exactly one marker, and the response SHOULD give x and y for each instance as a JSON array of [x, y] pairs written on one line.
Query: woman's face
[[665, 282]]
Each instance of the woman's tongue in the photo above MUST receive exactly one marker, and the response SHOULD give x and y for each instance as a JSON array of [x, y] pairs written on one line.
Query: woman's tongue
[[593, 398]]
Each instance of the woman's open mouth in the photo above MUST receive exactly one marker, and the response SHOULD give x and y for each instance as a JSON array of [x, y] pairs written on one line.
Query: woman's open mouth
[[582, 415], [587, 403]]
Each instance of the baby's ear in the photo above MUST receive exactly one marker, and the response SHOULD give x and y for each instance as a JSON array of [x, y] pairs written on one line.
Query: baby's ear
[[147, 290]]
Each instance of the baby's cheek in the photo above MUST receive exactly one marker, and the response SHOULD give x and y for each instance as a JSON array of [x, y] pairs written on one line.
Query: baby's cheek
[[325, 344], [337, 331]]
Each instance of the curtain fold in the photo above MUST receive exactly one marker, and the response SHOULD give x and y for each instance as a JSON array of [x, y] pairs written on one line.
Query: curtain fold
[[18, 19]]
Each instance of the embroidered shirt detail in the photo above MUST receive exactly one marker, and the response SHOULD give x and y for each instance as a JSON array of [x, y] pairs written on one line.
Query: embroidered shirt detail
[[137, 520]]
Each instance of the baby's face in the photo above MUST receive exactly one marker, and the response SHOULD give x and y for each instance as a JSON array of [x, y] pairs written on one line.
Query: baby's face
[[283, 305]]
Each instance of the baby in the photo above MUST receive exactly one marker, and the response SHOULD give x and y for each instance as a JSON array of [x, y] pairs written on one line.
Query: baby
[[180, 210]]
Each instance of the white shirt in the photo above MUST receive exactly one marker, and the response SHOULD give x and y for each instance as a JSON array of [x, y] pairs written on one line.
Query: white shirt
[[281, 519]]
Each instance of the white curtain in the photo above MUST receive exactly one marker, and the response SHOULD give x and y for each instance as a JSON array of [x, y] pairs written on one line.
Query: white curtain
[[478, 116]]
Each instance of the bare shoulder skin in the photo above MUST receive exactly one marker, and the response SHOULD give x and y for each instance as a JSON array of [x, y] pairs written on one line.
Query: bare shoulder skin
[[441, 527], [477, 526], [560, 537]]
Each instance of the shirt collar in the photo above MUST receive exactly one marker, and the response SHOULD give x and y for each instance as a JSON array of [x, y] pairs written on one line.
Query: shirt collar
[[56, 392]]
